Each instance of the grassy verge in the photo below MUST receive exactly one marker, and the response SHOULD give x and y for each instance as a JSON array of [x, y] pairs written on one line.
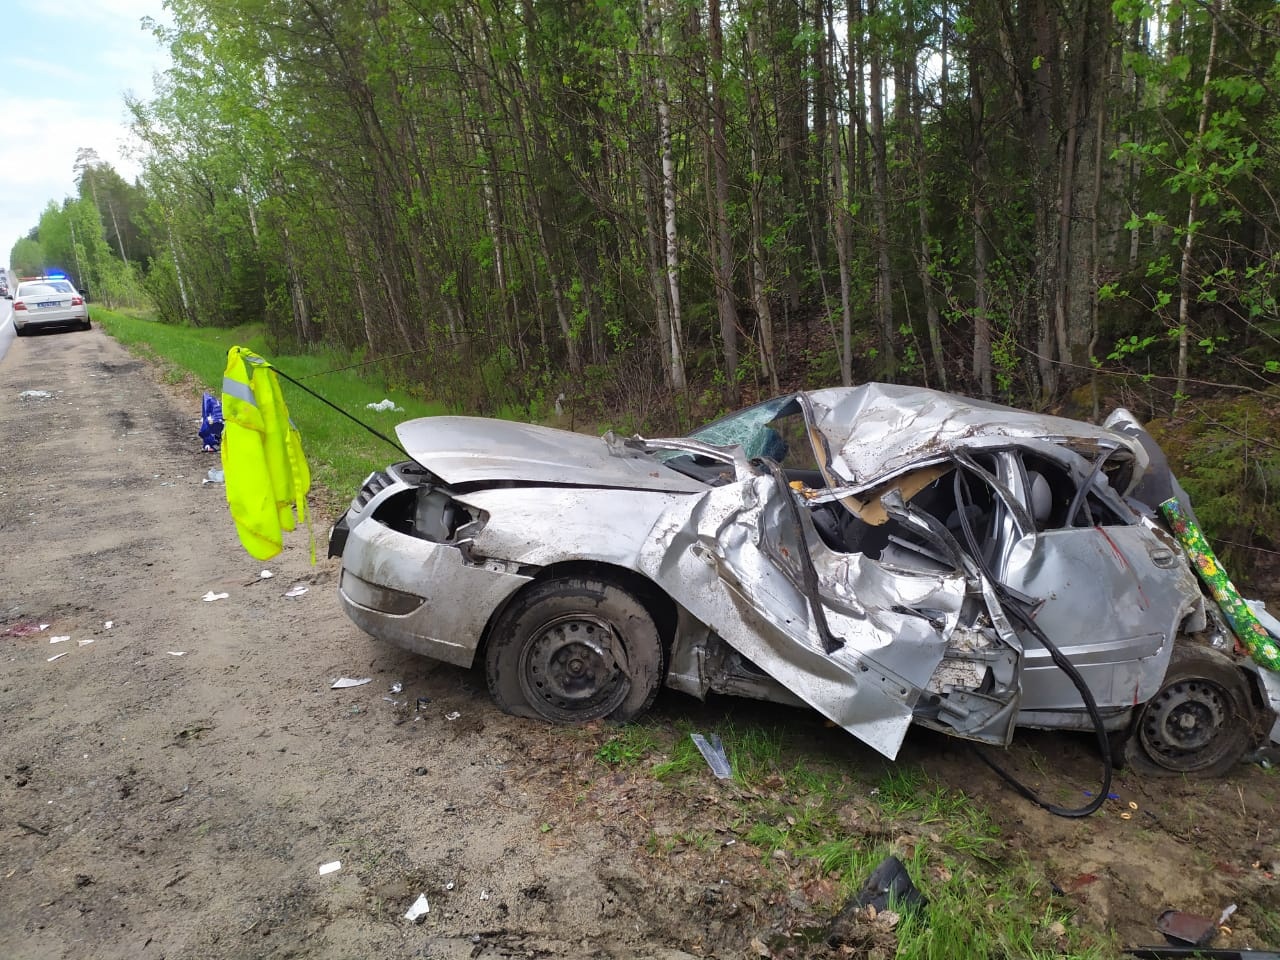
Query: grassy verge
[[812, 830], [341, 454]]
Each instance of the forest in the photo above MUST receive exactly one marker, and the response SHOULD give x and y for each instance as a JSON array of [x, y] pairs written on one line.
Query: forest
[[671, 207]]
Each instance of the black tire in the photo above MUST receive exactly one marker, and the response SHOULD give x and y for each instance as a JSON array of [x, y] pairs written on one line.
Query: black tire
[[87, 325], [19, 330], [1200, 723], [575, 649]]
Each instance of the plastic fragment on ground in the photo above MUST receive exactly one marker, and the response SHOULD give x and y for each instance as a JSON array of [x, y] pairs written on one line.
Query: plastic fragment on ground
[[57, 656], [419, 909], [327, 868], [265, 575], [211, 596], [452, 716], [384, 405], [713, 753], [397, 687], [35, 395], [296, 590], [177, 653], [58, 639], [84, 643], [343, 682]]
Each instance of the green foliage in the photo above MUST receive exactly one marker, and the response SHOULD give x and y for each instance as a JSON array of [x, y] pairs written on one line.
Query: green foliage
[[1227, 456]]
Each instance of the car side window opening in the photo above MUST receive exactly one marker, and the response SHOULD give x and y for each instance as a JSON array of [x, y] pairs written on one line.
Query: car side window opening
[[1056, 499]]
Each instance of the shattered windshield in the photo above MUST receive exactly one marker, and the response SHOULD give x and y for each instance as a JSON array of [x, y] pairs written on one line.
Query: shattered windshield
[[750, 429]]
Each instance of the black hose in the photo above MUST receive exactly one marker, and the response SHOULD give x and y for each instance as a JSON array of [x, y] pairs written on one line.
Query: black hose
[[1014, 607]]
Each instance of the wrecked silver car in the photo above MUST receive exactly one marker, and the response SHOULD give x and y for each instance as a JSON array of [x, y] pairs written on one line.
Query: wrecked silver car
[[885, 555]]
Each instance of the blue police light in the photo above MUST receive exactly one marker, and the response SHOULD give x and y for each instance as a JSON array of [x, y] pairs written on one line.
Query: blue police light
[[56, 275]]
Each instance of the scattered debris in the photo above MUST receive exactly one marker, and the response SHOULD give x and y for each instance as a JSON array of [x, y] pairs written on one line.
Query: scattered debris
[[108, 625], [422, 702], [1190, 929], [384, 405], [177, 653], [419, 909], [58, 639], [714, 754], [23, 629], [343, 682], [27, 826], [449, 885], [484, 894], [215, 475], [265, 575], [885, 895], [85, 643], [296, 590], [211, 596], [397, 687], [452, 716], [35, 395], [327, 868], [56, 656]]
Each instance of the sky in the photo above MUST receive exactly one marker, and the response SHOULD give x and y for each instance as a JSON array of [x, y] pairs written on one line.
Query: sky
[[66, 67]]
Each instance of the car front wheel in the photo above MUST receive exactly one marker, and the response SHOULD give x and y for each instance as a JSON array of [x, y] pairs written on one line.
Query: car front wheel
[[574, 649]]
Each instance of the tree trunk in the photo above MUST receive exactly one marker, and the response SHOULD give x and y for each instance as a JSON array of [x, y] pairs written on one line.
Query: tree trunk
[[884, 272], [1193, 211], [722, 263]]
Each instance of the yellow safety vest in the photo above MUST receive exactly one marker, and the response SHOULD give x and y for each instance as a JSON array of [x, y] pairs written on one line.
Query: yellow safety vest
[[266, 473]]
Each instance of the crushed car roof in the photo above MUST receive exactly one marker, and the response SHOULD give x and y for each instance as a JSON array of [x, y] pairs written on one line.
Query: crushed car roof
[[879, 429]]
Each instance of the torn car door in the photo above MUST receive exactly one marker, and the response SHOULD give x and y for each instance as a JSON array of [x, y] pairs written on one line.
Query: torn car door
[[858, 640]]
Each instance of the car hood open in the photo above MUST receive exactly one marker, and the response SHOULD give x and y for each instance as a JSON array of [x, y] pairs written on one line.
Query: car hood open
[[462, 450]]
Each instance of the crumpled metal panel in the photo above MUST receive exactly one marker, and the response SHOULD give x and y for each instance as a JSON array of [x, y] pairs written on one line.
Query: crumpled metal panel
[[900, 426], [709, 554], [462, 450], [440, 626], [544, 525]]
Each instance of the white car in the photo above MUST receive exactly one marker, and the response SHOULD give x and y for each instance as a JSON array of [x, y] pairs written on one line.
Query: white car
[[887, 555], [47, 302]]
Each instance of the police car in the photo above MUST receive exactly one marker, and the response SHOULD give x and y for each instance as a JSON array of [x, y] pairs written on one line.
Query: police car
[[47, 301]]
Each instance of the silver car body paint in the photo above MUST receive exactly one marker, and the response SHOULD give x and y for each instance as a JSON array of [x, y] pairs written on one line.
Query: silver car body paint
[[874, 643]]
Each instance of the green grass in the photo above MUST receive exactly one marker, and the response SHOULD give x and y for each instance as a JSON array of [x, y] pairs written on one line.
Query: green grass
[[809, 816], [341, 453]]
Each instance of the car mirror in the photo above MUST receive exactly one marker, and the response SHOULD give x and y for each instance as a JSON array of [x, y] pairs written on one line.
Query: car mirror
[[85, 294]]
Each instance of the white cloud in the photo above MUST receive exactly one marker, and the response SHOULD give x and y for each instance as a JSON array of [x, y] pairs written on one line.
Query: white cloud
[[67, 94]]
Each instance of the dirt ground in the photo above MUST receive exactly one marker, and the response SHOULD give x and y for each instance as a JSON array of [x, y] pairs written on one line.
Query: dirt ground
[[174, 780]]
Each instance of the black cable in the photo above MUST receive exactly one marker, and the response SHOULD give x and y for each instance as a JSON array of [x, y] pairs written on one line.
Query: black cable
[[376, 433], [1014, 607]]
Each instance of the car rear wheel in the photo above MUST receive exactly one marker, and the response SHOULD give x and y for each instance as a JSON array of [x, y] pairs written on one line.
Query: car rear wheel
[[574, 649], [1200, 722]]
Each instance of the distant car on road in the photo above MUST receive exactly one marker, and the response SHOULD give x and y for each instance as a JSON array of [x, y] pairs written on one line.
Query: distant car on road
[[47, 302]]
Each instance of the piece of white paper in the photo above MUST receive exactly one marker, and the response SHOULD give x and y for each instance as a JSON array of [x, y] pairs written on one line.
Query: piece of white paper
[[343, 682], [420, 908], [85, 643], [330, 867], [177, 653], [109, 624], [211, 596], [56, 656], [296, 590], [265, 575], [58, 639]]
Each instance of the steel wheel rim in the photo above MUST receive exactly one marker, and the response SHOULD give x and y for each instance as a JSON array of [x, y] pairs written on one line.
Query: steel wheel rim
[[574, 668], [1185, 727]]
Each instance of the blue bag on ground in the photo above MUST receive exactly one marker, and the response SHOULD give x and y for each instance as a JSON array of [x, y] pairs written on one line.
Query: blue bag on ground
[[211, 423]]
